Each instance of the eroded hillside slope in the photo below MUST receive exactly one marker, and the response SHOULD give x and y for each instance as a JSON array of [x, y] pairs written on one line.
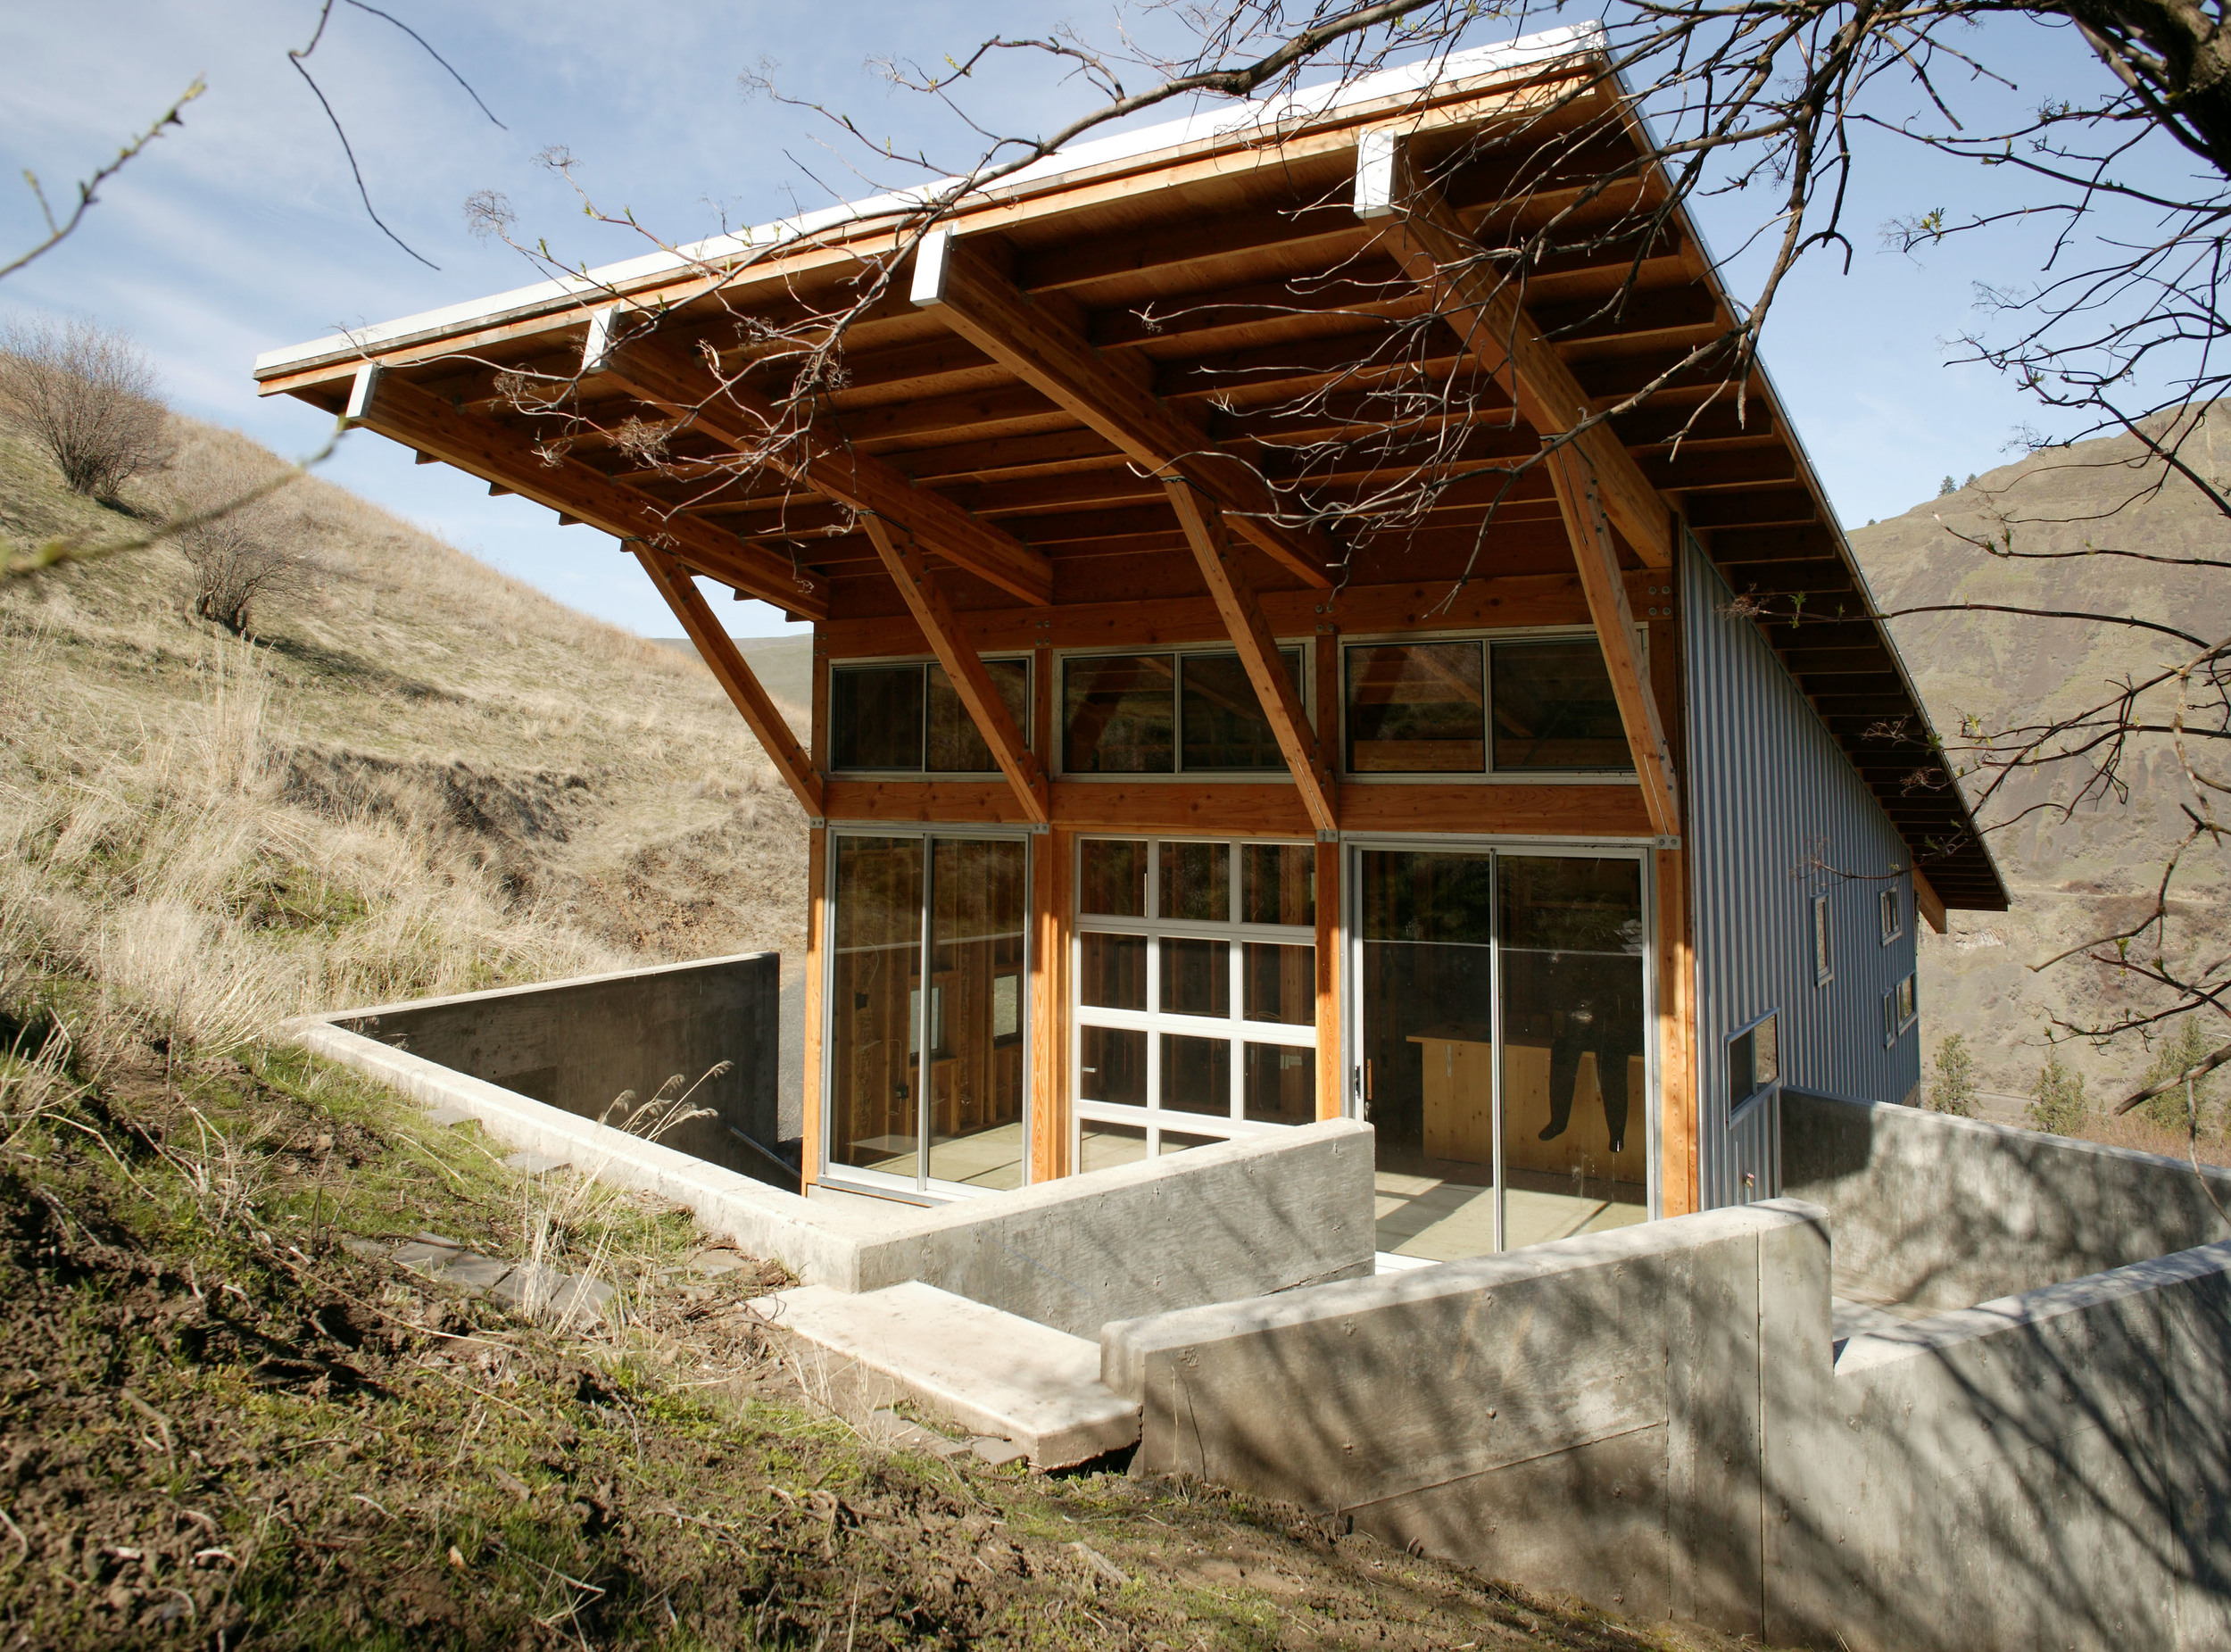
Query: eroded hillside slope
[[2085, 874]]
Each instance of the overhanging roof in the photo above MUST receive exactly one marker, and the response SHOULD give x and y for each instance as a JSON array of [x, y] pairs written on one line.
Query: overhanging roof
[[1217, 265]]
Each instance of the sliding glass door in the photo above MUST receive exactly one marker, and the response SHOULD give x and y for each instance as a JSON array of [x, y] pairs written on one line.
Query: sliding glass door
[[927, 991], [1501, 1005]]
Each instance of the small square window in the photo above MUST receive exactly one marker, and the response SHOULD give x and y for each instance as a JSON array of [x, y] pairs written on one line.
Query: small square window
[[1824, 964], [1893, 916], [1416, 708]]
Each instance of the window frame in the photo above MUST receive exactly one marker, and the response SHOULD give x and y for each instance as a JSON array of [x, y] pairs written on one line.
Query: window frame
[[1823, 947], [1901, 1008], [1742, 1108], [878, 663], [1234, 1027], [1056, 762], [1893, 908], [1488, 774]]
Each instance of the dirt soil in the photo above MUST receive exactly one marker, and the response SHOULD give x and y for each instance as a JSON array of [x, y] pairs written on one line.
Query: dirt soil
[[221, 1427]]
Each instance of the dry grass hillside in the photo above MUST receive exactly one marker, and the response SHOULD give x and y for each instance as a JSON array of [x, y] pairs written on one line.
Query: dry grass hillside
[[419, 777], [2084, 874]]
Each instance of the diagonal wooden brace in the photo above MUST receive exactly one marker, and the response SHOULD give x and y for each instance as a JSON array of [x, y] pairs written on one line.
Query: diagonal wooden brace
[[1250, 634], [1606, 591], [718, 651], [903, 561]]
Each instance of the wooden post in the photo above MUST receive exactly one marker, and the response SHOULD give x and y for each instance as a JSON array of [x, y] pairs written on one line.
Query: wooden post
[[1050, 1006], [718, 651], [1331, 1062], [1203, 526], [1677, 1043], [1606, 593], [903, 561], [816, 945]]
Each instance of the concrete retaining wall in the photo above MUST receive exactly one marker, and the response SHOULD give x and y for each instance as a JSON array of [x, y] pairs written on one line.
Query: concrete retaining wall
[[578, 1044], [1241, 1219], [1942, 1212], [1654, 1418]]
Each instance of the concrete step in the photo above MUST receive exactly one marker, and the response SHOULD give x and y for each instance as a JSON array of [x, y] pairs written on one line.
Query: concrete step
[[992, 1373]]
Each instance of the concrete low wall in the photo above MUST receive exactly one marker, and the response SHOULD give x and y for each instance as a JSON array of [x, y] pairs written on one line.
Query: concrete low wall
[[1942, 1212], [1654, 1418], [1242, 1218], [579, 1044]]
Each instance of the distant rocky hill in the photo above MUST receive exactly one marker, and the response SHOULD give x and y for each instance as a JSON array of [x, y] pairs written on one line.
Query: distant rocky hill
[[2084, 874]]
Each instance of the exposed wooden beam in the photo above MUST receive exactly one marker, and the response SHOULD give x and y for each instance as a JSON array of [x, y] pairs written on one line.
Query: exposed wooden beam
[[668, 376], [1928, 902], [964, 669], [993, 313], [1428, 239], [1598, 563], [399, 410], [1242, 616], [718, 651]]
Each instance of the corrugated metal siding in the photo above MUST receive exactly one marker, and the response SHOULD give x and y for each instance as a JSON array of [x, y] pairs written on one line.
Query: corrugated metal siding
[[1777, 815]]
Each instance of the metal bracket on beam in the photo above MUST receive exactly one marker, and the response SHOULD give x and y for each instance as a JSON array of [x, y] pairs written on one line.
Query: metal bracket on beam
[[598, 345], [361, 390], [1665, 842], [1378, 158]]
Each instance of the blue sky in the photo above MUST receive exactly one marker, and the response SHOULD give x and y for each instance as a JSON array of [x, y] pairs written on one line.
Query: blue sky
[[243, 231]]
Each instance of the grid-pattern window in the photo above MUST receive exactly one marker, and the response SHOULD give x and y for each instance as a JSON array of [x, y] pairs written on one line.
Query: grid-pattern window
[[1531, 705], [1901, 1009], [1892, 915], [1196, 993]]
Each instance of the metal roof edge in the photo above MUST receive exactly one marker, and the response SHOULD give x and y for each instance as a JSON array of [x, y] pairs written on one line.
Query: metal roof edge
[[1304, 107]]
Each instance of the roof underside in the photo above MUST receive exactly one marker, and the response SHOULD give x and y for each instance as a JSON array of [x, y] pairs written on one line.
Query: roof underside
[[1232, 278]]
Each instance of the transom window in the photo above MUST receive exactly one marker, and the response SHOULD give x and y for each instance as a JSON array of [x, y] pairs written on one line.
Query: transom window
[[905, 717], [1166, 713], [1474, 706], [1196, 993]]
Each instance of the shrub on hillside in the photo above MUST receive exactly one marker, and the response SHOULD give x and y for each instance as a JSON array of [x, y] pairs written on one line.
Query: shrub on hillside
[[2057, 1101], [241, 555], [1953, 1090], [88, 396], [2184, 1051]]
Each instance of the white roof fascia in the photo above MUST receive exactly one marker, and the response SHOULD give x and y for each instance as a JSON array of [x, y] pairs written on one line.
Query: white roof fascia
[[1208, 126]]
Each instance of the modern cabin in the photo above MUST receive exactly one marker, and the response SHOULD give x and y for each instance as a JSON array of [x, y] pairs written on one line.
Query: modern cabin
[[1304, 627]]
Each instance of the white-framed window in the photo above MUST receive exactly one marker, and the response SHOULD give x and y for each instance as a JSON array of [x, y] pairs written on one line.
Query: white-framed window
[[1168, 711], [1900, 1009], [1893, 914], [1450, 707], [1195, 993], [1754, 1067], [1823, 960], [904, 716]]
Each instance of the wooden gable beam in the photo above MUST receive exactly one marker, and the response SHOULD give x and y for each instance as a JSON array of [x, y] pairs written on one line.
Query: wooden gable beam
[[1597, 559], [964, 669], [1429, 240], [403, 412], [719, 650], [668, 376], [1242, 616], [1928, 902], [953, 280]]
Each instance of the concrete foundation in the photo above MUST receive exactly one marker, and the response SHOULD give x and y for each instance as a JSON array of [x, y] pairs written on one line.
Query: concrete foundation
[[1658, 1419], [1936, 1212], [1241, 1219], [581, 1044]]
